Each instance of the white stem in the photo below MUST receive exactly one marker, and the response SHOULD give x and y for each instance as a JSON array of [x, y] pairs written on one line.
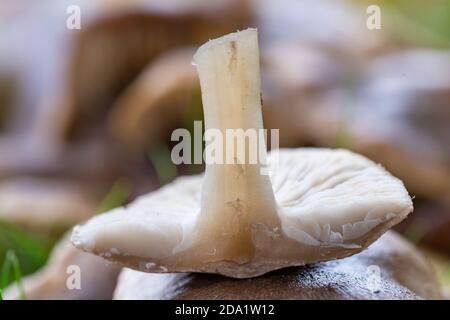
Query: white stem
[[235, 197]]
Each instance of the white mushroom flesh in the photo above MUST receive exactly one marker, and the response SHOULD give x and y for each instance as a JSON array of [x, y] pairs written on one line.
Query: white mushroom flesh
[[315, 205]]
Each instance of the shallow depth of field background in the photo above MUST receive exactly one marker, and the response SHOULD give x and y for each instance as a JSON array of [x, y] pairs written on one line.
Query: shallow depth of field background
[[86, 115]]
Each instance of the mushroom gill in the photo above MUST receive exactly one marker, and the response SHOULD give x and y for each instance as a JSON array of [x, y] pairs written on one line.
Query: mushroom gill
[[239, 219]]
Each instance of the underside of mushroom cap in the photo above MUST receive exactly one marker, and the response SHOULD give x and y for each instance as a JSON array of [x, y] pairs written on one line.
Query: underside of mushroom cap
[[330, 203], [237, 220]]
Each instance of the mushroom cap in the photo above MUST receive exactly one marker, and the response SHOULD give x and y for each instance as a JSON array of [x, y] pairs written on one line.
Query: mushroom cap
[[330, 203], [402, 119], [300, 80], [430, 225], [64, 89], [163, 90], [134, 33], [404, 274]]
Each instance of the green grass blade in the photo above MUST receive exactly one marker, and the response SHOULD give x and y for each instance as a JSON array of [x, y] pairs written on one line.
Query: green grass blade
[[161, 160], [17, 273], [21, 252], [31, 249], [5, 272], [116, 197], [12, 265]]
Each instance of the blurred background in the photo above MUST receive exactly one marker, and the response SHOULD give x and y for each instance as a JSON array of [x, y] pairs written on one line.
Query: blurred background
[[86, 114]]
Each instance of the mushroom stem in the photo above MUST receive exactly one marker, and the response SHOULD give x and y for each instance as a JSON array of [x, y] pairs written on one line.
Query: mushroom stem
[[237, 199]]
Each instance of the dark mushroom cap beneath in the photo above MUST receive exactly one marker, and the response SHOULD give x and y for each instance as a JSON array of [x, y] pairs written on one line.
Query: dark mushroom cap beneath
[[430, 225], [405, 274]]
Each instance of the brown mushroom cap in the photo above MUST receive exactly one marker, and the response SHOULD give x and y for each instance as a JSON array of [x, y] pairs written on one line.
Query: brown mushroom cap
[[297, 80], [132, 34], [429, 225], [67, 85], [164, 90], [405, 274]]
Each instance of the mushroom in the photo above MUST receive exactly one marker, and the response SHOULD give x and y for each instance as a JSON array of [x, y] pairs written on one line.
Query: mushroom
[[316, 205], [298, 78], [411, 93], [430, 225], [133, 33], [404, 273], [64, 88], [97, 277], [50, 190], [399, 118], [163, 90], [8, 88], [44, 205]]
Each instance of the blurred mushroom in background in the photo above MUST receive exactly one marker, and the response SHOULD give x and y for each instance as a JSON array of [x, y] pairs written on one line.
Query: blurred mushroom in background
[[298, 78], [164, 90], [44, 206], [401, 119], [78, 73], [114, 47], [391, 268], [97, 278], [68, 85], [8, 87], [429, 226]]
